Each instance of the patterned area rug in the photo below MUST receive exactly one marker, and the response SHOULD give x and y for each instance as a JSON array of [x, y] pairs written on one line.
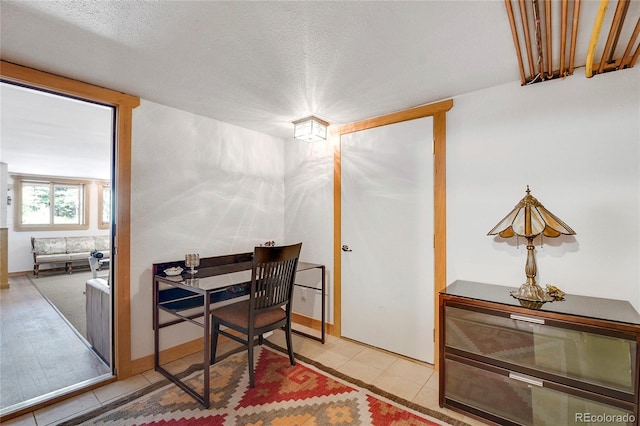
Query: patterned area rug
[[283, 395]]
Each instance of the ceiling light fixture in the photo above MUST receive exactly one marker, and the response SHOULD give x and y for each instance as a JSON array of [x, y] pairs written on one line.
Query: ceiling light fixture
[[310, 129]]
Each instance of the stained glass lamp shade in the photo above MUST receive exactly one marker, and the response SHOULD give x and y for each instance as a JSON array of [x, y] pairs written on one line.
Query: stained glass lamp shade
[[529, 219]]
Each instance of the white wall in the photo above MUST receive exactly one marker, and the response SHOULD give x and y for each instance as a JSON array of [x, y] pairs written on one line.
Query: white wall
[[210, 187], [198, 185], [308, 218], [576, 142]]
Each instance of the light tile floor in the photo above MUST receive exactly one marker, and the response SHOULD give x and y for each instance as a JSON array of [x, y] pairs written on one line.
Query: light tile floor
[[408, 379]]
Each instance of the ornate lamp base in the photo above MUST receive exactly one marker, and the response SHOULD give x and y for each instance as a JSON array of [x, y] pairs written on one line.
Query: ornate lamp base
[[531, 305], [531, 292]]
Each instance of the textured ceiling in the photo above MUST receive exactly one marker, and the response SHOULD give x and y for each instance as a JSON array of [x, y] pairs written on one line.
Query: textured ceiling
[[263, 64]]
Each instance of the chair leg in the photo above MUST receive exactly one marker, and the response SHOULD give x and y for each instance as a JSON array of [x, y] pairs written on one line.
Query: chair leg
[[215, 328], [287, 332], [250, 356]]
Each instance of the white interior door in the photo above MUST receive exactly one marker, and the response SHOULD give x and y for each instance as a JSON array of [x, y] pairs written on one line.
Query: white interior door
[[387, 236]]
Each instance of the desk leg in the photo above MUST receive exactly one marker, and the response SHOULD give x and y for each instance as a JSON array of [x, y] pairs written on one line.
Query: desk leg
[[156, 327], [204, 399], [324, 308], [324, 314], [207, 349]]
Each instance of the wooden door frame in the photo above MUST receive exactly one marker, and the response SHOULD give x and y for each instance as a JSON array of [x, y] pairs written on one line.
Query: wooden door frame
[[438, 111], [123, 105]]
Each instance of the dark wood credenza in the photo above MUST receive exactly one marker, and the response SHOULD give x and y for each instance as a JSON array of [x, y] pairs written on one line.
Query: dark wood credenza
[[567, 362]]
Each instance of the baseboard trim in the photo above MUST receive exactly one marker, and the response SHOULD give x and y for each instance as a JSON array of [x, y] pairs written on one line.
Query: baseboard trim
[[145, 363], [312, 323], [20, 273]]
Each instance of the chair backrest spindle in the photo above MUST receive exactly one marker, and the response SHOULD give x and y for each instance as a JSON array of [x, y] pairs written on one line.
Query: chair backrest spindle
[[273, 276]]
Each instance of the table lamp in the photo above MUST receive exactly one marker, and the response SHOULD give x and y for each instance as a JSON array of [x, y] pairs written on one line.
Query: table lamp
[[529, 219]]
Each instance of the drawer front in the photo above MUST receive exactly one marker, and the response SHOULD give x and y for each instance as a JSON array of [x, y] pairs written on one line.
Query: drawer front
[[508, 397], [526, 341]]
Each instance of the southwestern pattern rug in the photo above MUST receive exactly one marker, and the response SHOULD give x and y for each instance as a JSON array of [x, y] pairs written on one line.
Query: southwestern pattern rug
[[283, 395]]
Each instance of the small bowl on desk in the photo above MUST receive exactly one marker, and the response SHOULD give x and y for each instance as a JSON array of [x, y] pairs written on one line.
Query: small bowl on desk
[[172, 272]]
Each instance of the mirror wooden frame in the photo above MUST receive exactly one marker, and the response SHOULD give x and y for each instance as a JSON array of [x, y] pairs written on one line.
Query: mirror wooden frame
[[123, 105]]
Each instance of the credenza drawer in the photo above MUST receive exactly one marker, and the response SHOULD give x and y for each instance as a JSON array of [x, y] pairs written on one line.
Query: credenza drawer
[[511, 398], [529, 343], [570, 362]]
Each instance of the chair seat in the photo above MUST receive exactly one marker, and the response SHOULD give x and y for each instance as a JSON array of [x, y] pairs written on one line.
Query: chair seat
[[238, 313], [273, 274]]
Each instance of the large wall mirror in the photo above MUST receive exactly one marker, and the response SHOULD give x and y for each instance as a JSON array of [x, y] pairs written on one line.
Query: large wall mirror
[[123, 106]]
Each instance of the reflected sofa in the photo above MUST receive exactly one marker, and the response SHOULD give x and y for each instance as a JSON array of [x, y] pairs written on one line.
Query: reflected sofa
[[67, 250]]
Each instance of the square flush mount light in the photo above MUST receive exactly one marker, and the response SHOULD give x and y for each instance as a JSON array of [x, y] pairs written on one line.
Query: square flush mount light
[[310, 129]]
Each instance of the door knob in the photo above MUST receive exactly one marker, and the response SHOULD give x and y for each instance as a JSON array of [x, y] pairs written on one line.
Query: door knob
[[346, 248]]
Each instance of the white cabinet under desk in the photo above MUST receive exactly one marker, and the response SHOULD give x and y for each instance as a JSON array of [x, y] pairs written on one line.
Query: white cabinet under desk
[[575, 361]]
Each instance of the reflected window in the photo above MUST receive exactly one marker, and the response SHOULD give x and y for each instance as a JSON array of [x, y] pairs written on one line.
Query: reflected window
[[50, 203], [104, 205]]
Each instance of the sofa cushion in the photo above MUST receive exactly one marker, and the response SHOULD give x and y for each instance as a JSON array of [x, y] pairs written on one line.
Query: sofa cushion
[[80, 244], [79, 256], [102, 243], [61, 257], [55, 245]]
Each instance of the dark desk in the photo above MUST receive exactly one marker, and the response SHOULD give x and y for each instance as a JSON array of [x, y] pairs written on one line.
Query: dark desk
[[218, 278]]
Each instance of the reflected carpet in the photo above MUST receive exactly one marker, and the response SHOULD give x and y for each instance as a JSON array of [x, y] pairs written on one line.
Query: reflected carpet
[[283, 395], [66, 293]]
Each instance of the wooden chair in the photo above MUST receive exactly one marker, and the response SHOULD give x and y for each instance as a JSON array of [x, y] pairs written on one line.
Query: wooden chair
[[269, 304]]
